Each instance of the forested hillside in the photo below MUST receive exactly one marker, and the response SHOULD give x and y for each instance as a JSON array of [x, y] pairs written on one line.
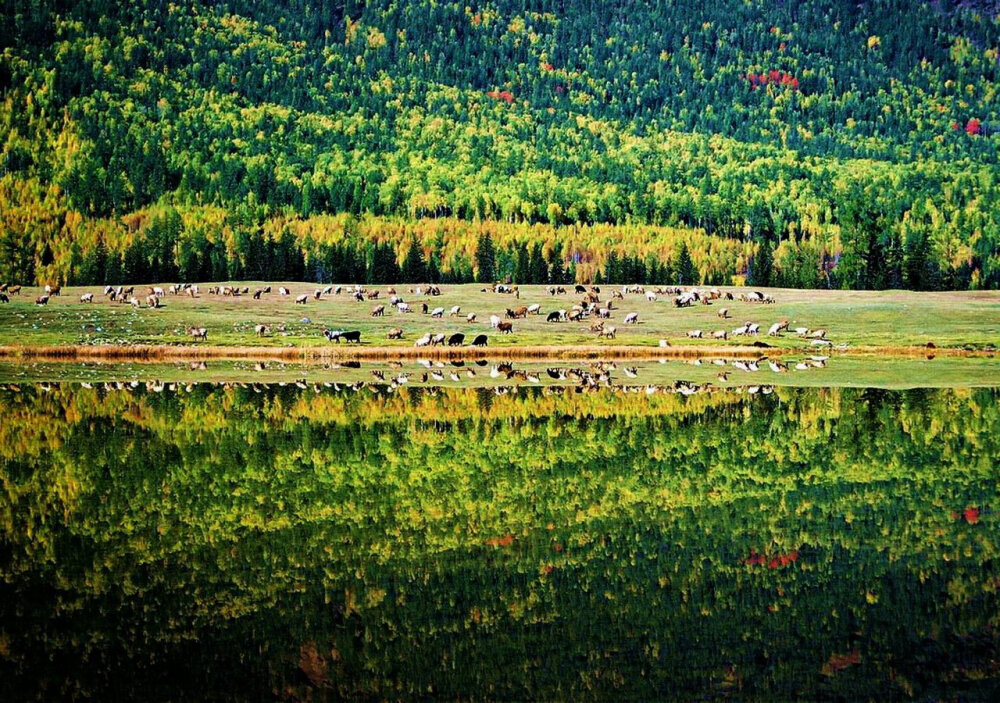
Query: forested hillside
[[801, 143]]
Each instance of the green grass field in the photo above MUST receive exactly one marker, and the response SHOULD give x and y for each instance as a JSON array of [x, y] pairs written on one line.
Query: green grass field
[[859, 319]]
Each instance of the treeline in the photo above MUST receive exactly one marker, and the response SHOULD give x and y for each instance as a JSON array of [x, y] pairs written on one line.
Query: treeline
[[168, 243], [842, 142]]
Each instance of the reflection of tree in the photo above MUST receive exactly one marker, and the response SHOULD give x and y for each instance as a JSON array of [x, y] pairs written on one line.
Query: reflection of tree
[[534, 545]]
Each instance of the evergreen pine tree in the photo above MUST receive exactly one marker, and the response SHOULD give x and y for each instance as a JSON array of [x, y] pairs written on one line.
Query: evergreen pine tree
[[414, 265], [684, 269], [485, 259]]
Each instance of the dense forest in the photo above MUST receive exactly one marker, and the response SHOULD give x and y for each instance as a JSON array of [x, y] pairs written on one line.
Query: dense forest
[[802, 143]]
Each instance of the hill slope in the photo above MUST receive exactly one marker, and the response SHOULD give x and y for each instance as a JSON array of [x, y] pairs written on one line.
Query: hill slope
[[834, 143]]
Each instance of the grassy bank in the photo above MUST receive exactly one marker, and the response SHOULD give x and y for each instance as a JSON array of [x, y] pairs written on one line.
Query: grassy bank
[[879, 322]]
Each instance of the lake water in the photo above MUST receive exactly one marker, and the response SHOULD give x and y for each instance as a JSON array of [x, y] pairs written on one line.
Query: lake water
[[271, 542]]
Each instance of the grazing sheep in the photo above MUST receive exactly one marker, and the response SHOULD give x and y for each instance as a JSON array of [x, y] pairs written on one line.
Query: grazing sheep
[[632, 318], [535, 309], [87, 298], [694, 334], [262, 330], [378, 311], [555, 316], [301, 300], [437, 339], [4, 298], [494, 321], [455, 311], [423, 341], [152, 301], [42, 300], [198, 333], [651, 296], [404, 307], [438, 312], [456, 340], [479, 341], [471, 317], [720, 334], [724, 313], [282, 290], [395, 333], [608, 332], [505, 328]]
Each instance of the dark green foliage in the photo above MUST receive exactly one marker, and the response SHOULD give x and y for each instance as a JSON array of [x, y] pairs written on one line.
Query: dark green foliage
[[684, 270], [414, 265], [486, 264]]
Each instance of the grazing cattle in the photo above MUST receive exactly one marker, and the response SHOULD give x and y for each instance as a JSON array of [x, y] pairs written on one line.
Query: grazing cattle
[[694, 334], [257, 293], [438, 312], [395, 333], [632, 318], [152, 301], [378, 311], [454, 312], [456, 340], [555, 316], [608, 332], [42, 300], [471, 317], [479, 341], [262, 330], [505, 328], [14, 290], [282, 290], [87, 298], [337, 335], [494, 321], [301, 300], [198, 333], [535, 309]]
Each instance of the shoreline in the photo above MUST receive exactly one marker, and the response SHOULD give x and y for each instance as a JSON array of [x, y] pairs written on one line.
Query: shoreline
[[166, 353]]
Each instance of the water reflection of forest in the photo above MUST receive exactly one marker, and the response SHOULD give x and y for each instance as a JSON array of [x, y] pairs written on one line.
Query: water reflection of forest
[[460, 543]]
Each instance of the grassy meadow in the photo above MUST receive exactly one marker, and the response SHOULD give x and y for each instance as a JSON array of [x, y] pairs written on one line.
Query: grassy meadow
[[876, 321]]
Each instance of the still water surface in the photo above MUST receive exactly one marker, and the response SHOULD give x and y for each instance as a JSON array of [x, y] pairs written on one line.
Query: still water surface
[[280, 543]]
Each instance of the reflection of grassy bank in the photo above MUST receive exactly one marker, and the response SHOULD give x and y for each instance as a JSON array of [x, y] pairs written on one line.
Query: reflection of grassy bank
[[884, 320], [530, 546], [841, 370]]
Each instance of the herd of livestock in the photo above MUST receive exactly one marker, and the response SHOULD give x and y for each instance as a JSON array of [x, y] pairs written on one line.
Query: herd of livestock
[[594, 309]]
